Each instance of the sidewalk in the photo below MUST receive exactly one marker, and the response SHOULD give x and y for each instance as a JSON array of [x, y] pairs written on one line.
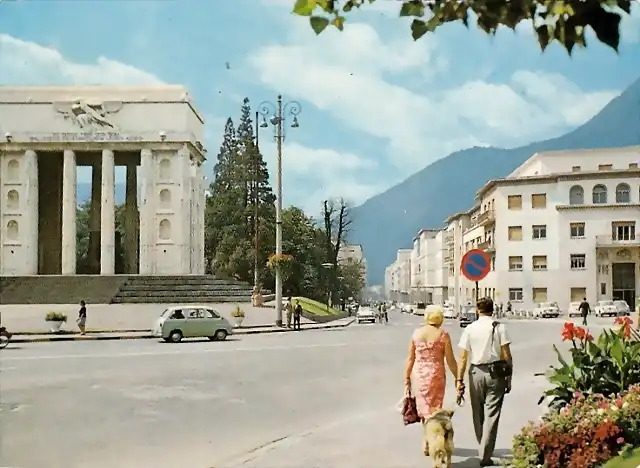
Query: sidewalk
[[146, 334], [112, 318]]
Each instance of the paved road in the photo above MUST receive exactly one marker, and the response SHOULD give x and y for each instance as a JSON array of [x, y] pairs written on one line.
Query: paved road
[[316, 398]]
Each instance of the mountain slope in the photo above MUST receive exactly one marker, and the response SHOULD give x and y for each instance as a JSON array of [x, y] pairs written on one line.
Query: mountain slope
[[390, 220]]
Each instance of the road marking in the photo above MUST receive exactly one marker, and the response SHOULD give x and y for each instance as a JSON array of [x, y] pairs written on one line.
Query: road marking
[[174, 352]]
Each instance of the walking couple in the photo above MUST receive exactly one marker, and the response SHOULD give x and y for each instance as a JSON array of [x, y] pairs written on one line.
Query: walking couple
[[484, 345], [295, 312]]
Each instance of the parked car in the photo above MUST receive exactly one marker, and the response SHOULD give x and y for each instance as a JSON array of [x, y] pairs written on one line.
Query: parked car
[[418, 308], [366, 314], [546, 309], [605, 308], [450, 312], [467, 315], [406, 308], [574, 309], [622, 307], [191, 321]]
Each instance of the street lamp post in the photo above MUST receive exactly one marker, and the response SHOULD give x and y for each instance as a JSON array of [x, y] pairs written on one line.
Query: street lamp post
[[278, 115], [327, 266]]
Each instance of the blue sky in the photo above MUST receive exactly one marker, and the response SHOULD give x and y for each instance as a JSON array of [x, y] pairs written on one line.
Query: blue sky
[[377, 107]]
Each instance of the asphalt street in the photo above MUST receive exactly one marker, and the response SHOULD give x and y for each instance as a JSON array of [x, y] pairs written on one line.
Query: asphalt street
[[322, 399]]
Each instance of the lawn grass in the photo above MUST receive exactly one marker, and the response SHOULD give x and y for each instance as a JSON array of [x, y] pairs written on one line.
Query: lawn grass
[[315, 307], [629, 461]]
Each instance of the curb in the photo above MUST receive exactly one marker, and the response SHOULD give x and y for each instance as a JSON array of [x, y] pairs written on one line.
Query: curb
[[65, 333], [77, 337]]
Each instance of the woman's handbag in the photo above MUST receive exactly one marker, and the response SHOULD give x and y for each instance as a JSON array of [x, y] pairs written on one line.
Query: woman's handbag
[[409, 408]]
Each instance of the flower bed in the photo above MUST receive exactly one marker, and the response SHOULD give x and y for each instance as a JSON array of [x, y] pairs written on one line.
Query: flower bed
[[594, 403]]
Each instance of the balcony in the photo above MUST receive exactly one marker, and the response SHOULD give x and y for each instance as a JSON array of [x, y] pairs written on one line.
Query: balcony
[[448, 238], [448, 258], [487, 246], [486, 217], [615, 241]]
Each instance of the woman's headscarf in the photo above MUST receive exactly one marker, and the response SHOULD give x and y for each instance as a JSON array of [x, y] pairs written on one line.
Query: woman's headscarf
[[434, 315]]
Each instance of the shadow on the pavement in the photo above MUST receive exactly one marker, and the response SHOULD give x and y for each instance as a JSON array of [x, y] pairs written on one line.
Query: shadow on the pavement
[[11, 348], [206, 340]]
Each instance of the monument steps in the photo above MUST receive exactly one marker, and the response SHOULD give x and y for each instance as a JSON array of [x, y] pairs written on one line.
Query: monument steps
[[57, 289], [176, 289]]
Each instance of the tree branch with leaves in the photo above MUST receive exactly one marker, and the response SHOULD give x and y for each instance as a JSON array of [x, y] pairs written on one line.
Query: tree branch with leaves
[[562, 21]]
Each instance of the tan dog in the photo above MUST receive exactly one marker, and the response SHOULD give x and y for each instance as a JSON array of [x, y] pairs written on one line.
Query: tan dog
[[438, 438]]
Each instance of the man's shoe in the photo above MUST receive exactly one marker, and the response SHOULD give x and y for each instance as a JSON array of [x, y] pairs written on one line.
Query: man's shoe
[[487, 463]]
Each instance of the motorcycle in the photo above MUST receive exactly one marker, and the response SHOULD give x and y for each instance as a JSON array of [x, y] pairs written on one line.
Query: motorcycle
[[5, 337]]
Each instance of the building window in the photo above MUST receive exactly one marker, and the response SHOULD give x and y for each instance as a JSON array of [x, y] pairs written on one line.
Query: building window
[[515, 294], [419, 268], [623, 193], [577, 294], [515, 233], [577, 230], [539, 231], [633, 165], [605, 167], [539, 201], [623, 231], [539, 263], [603, 289], [539, 294], [578, 261], [515, 263], [576, 195], [576, 169], [599, 194], [514, 202]]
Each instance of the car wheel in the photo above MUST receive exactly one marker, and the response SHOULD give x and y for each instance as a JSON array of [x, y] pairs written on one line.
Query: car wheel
[[175, 336], [220, 335]]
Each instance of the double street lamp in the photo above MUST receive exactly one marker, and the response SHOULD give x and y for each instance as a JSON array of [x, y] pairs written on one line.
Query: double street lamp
[[276, 116]]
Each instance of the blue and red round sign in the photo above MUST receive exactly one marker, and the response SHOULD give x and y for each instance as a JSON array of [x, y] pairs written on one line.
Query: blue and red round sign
[[475, 265]]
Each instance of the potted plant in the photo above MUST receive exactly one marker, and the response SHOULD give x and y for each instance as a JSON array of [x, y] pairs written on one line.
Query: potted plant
[[55, 320], [237, 316]]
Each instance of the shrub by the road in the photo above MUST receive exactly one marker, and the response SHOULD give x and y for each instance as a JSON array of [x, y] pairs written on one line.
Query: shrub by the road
[[594, 411]]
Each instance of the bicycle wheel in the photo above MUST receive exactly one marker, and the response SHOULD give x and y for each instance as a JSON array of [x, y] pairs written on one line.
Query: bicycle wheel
[[4, 341]]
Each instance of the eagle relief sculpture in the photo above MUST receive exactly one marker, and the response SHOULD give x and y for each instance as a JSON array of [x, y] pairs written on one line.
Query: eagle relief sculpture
[[89, 115]]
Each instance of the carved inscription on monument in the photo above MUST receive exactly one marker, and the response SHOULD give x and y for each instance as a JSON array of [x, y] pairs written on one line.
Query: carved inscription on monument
[[83, 137]]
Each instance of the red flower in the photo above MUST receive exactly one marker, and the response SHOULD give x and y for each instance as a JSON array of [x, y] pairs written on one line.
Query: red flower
[[568, 331], [625, 326]]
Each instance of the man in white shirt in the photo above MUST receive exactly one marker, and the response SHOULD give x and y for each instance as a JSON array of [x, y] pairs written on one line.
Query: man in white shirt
[[485, 345]]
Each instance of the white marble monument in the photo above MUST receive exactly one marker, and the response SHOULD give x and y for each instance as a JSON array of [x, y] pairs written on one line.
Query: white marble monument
[[46, 132]]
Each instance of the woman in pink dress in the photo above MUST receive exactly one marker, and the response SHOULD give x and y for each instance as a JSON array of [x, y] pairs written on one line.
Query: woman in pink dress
[[430, 346]]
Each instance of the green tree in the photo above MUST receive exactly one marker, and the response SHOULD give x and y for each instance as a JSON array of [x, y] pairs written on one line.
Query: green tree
[[337, 219], [230, 212], [302, 239], [352, 279], [564, 21], [83, 265]]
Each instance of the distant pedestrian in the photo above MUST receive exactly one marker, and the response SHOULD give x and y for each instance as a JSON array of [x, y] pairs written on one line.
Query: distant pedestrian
[[297, 313], [385, 313], [82, 318], [289, 309], [584, 309]]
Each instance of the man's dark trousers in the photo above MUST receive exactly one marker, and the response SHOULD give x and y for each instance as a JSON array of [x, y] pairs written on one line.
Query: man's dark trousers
[[584, 320], [296, 322]]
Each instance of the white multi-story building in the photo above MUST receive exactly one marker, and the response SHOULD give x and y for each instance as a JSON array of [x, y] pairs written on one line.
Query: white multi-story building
[[428, 272], [352, 253], [559, 228], [398, 277]]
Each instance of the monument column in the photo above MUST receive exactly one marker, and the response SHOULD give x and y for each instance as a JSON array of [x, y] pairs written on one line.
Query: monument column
[[183, 241], [69, 207], [131, 220], [202, 201], [31, 212], [107, 215], [147, 213]]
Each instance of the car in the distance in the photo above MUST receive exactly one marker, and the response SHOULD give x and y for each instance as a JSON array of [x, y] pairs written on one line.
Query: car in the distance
[[605, 308], [467, 315], [366, 314], [191, 321], [622, 308], [419, 308], [546, 309], [574, 309], [450, 312]]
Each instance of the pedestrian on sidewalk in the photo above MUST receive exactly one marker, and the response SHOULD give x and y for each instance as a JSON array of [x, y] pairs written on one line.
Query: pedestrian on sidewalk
[[584, 309], [297, 313], [485, 344], [82, 318], [289, 309]]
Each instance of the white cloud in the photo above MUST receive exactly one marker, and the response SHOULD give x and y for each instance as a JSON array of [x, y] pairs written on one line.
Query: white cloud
[[630, 26], [27, 63], [347, 75]]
